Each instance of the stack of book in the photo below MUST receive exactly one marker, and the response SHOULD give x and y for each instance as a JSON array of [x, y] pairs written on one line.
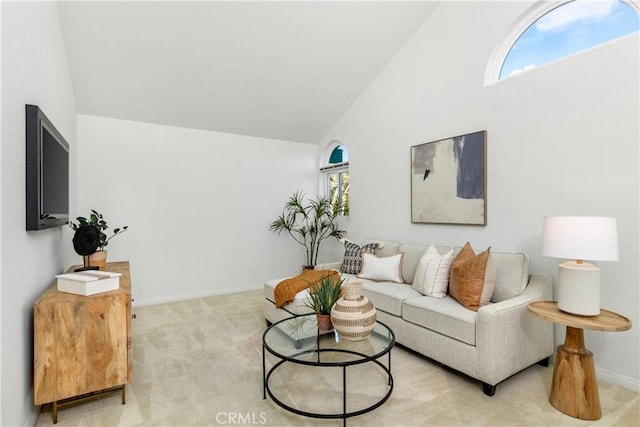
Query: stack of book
[[88, 282]]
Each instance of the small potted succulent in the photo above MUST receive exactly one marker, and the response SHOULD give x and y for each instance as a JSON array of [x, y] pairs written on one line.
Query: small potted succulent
[[323, 294], [96, 220]]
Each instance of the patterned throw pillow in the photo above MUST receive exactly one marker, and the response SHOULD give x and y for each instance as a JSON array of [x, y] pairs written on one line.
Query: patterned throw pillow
[[352, 261]]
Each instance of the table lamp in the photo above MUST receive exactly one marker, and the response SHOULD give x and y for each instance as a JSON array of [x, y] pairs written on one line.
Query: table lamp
[[580, 238]]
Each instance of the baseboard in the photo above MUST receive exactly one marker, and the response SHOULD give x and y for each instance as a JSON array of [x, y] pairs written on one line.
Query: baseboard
[[32, 417], [617, 379], [141, 302]]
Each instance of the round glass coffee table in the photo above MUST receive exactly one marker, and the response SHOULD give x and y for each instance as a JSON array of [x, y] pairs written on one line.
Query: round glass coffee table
[[298, 341]]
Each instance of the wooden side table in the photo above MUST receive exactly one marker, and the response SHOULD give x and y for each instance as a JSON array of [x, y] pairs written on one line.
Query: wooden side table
[[574, 389]]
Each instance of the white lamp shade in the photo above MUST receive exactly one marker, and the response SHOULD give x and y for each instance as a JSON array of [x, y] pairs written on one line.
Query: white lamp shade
[[580, 238]]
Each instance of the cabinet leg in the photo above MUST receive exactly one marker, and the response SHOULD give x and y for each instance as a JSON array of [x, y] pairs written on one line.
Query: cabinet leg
[[574, 389], [72, 401]]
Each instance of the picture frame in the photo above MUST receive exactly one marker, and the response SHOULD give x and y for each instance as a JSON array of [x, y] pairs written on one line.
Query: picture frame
[[449, 180]]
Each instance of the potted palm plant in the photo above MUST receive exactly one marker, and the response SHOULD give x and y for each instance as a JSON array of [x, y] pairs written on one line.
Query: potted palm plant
[[99, 258], [309, 223], [323, 294]]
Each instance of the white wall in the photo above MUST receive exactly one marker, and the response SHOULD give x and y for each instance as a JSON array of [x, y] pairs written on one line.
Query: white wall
[[34, 71], [0, 213], [198, 204], [562, 140], [1, 345]]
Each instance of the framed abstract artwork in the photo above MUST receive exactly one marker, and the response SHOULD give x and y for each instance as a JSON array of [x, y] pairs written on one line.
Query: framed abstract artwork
[[449, 180]]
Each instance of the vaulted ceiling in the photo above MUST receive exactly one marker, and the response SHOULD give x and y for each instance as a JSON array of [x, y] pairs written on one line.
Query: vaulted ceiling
[[283, 70]]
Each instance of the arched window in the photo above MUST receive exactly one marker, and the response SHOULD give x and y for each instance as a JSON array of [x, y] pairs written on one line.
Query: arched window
[[336, 177], [551, 31]]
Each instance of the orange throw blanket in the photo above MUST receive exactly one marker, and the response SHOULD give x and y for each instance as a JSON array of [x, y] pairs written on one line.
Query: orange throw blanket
[[286, 290]]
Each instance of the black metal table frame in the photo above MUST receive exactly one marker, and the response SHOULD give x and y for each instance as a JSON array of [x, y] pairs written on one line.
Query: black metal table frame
[[365, 359]]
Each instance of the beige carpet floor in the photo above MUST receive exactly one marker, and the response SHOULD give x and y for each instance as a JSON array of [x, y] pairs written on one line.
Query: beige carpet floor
[[199, 362]]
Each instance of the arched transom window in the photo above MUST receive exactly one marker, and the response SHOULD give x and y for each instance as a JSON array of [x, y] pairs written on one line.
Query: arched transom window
[[336, 177], [552, 31]]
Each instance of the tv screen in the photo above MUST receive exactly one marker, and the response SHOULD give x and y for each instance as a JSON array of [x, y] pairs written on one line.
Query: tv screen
[[47, 172]]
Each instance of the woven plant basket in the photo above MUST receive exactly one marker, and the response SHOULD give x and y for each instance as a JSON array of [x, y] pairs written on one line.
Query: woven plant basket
[[353, 315]]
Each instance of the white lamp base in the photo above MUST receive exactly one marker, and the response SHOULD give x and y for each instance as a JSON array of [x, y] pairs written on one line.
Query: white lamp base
[[579, 288]]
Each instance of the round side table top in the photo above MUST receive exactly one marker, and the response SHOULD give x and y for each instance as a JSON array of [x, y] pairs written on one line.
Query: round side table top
[[605, 321]]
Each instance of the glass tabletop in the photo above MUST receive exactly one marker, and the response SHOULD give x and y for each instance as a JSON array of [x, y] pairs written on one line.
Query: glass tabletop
[[297, 339]]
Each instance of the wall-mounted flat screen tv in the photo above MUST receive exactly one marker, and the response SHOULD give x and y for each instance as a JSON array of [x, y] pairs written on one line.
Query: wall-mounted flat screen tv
[[47, 172]]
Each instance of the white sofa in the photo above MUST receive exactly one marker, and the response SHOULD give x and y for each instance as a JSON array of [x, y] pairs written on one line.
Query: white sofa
[[499, 340]]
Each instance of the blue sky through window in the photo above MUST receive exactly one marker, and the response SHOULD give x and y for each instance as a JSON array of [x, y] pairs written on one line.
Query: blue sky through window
[[568, 29]]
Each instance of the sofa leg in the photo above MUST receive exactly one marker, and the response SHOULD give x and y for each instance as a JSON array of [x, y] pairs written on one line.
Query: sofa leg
[[544, 362], [488, 389]]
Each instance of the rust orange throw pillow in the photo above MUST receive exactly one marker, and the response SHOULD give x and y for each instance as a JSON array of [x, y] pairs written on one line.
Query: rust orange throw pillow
[[473, 278]]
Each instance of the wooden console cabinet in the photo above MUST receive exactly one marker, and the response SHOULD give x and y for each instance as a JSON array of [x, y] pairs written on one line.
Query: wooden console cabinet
[[82, 344]]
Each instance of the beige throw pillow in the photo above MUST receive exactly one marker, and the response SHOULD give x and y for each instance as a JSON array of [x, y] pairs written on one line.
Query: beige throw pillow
[[473, 278], [432, 275], [382, 269]]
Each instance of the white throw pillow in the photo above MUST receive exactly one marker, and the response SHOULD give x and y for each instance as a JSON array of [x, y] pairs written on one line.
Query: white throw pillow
[[432, 275], [382, 269]]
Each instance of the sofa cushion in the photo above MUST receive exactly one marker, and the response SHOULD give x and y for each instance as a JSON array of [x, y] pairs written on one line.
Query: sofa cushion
[[472, 278], [352, 261], [412, 255], [385, 247], [381, 269], [432, 274], [512, 275], [387, 296], [297, 306], [445, 316]]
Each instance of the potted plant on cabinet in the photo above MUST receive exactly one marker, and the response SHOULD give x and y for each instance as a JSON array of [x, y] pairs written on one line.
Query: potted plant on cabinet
[[309, 224], [96, 220], [323, 294]]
